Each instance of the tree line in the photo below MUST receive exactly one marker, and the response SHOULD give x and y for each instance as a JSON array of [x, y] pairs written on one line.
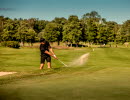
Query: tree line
[[90, 28]]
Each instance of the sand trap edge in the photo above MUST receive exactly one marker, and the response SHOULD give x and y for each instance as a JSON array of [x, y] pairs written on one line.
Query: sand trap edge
[[6, 73]]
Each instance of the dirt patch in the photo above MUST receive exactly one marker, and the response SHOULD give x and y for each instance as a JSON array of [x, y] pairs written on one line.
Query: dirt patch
[[6, 73], [81, 60]]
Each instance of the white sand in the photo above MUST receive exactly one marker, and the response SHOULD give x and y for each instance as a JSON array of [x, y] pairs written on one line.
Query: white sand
[[6, 73], [81, 60]]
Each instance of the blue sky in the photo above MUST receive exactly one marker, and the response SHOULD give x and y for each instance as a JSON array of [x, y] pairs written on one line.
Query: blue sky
[[112, 10]]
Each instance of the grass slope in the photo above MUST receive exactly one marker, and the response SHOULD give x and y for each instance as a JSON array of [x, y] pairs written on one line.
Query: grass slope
[[106, 75]]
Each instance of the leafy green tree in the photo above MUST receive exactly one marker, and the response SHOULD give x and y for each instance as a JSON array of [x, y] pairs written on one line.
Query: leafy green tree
[[9, 29], [60, 22], [91, 22], [112, 30], [41, 34], [93, 16], [22, 32], [51, 32], [72, 30], [91, 28], [31, 35], [102, 34], [39, 25], [125, 31], [31, 22], [1, 26]]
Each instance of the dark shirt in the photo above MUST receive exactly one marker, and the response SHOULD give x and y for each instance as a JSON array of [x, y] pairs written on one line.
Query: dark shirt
[[44, 47]]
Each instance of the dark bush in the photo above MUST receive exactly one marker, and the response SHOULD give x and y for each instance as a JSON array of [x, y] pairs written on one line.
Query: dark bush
[[76, 45], [11, 44]]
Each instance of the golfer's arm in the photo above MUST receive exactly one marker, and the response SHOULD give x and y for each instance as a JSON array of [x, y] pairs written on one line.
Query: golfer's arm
[[51, 50], [48, 53]]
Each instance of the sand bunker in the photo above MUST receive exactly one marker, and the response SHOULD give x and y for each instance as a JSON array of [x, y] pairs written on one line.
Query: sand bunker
[[6, 73], [81, 60]]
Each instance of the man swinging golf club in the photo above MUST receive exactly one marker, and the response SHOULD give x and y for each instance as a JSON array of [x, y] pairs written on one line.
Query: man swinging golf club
[[45, 54]]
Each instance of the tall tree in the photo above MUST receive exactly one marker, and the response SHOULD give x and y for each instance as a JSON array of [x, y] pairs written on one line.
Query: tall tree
[[91, 21], [9, 29], [112, 30], [40, 25], [22, 31], [125, 31], [2, 20], [72, 30], [51, 32], [102, 34], [60, 22], [31, 36]]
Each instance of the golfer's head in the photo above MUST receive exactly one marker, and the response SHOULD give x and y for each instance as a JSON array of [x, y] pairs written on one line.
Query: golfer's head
[[42, 41]]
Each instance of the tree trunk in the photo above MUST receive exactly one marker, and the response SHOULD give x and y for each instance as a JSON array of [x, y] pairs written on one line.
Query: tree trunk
[[31, 44], [28, 44], [66, 44], [51, 43], [116, 45], [100, 45], [71, 45], [76, 45], [22, 43], [58, 43], [89, 45], [110, 45]]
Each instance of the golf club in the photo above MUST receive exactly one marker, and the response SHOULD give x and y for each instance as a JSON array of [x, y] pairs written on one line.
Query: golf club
[[63, 63]]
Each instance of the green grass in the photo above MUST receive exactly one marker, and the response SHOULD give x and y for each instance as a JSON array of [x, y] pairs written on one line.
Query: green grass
[[105, 76]]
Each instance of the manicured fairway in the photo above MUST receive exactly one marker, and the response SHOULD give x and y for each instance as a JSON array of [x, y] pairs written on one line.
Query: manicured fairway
[[105, 76]]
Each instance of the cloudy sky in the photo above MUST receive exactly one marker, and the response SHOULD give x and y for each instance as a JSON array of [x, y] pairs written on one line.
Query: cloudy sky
[[112, 10]]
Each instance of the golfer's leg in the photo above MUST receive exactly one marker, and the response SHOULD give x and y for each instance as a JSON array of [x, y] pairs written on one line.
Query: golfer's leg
[[42, 62], [49, 64], [41, 66], [48, 61]]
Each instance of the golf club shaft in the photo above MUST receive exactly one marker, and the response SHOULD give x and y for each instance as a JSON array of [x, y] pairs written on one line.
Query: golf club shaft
[[63, 63]]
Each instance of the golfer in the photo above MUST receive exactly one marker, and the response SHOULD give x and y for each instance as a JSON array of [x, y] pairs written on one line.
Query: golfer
[[45, 54]]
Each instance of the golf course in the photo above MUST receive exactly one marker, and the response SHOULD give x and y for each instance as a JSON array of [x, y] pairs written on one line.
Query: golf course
[[104, 74]]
